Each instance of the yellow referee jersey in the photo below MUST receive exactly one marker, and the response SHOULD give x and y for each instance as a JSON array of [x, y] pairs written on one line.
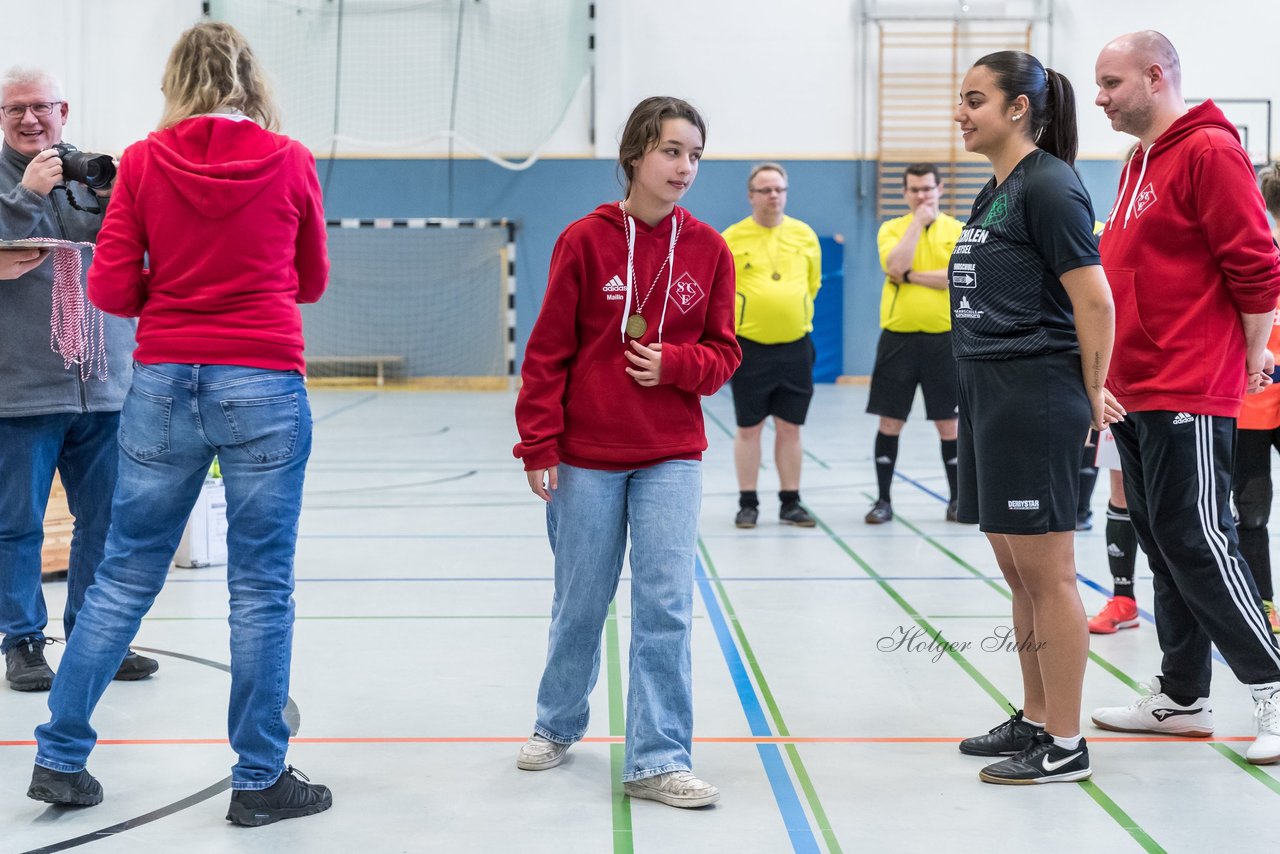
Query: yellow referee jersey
[[916, 308], [779, 271]]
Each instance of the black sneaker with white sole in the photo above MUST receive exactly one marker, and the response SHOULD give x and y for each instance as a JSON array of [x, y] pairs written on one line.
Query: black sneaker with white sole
[[291, 796], [76, 789], [1042, 762], [1011, 737]]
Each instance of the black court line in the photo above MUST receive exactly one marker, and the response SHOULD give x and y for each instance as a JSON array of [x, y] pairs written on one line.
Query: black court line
[[292, 719]]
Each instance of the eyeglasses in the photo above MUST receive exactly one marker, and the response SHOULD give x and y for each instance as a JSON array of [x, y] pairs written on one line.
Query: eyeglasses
[[39, 110], [769, 191]]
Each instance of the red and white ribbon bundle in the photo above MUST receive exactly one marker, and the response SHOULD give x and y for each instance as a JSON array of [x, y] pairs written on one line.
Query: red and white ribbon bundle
[[77, 330]]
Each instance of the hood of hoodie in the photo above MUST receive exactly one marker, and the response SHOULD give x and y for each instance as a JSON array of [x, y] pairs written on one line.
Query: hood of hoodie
[[219, 163], [1201, 117]]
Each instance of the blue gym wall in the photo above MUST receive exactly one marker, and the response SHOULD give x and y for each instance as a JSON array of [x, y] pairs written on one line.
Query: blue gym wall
[[548, 196]]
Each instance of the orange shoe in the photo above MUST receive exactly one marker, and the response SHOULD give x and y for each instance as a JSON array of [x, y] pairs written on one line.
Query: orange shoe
[[1121, 612], [1273, 618]]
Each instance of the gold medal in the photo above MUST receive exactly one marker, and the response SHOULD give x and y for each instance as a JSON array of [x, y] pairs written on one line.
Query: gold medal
[[636, 326]]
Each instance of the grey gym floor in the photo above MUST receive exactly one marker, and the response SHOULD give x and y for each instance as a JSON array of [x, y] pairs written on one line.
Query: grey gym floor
[[424, 583]]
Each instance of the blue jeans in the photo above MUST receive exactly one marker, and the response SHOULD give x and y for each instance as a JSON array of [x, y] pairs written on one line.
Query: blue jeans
[[587, 520], [82, 448], [175, 419]]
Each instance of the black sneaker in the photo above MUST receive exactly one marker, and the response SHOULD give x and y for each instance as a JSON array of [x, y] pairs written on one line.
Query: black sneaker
[[58, 787], [794, 514], [880, 512], [25, 668], [746, 517], [135, 667], [1042, 762], [1011, 737], [291, 796]]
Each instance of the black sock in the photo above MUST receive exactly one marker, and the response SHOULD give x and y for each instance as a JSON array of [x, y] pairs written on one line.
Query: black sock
[[1088, 476], [748, 498], [1256, 550], [1122, 545], [789, 497], [1179, 699], [886, 458], [949, 464]]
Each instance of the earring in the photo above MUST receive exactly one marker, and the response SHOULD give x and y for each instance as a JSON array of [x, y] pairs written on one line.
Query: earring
[[1015, 118]]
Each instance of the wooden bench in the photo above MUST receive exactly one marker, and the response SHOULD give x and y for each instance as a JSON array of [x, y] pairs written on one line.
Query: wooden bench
[[58, 525], [380, 363]]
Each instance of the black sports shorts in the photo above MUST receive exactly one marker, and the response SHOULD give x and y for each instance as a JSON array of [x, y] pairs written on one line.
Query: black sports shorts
[[905, 360], [1022, 424], [773, 379]]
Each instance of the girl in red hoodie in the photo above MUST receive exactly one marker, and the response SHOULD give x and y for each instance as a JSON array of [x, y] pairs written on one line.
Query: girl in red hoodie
[[636, 325], [214, 235]]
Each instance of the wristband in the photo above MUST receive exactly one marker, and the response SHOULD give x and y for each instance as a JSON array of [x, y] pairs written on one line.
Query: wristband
[[906, 277]]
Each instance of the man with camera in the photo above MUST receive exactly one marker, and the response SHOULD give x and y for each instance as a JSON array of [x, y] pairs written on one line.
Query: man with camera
[[55, 414]]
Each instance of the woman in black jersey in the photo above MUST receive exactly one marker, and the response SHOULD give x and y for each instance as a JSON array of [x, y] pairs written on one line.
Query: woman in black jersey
[[1032, 326]]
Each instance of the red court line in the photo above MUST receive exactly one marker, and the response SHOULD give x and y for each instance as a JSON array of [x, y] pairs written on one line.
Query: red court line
[[604, 739]]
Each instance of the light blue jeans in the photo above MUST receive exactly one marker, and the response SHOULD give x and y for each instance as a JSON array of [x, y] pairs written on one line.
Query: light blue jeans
[[175, 419], [588, 519]]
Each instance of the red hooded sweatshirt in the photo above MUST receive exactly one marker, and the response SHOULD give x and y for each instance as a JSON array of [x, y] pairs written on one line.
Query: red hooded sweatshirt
[[577, 402], [230, 220], [1187, 250]]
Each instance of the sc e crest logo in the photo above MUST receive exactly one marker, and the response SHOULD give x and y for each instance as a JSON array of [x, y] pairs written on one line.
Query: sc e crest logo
[[686, 293], [1145, 200]]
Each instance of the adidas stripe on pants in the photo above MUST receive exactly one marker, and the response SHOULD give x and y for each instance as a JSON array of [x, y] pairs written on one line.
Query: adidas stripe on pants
[[1177, 479]]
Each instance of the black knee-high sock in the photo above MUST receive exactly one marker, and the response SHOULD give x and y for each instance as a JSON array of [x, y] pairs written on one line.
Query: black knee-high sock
[[949, 464], [1122, 547], [1255, 548], [1088, 476], [886, 459]]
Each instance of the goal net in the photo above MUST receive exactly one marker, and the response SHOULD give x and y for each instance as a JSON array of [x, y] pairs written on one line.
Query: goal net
[[398, 77], [427, 302]]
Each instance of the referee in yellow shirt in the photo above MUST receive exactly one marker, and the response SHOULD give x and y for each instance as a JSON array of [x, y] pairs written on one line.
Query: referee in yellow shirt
[[779, 270], [915, 344]]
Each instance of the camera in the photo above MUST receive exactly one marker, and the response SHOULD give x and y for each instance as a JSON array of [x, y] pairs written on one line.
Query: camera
[[96, 171]]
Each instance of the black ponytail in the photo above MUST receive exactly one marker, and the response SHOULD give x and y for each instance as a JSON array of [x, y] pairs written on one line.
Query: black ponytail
[[1052, 100]]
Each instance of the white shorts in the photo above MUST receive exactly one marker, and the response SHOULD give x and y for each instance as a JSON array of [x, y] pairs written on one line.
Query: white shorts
[[1108, 453]]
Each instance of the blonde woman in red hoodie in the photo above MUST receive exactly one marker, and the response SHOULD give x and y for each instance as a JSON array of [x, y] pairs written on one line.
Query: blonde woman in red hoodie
[[636, 325], [214, 235]]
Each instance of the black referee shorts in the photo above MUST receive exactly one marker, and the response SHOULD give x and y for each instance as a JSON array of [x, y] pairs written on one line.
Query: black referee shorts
[[1022, 424], [773, 379], [905, 360]]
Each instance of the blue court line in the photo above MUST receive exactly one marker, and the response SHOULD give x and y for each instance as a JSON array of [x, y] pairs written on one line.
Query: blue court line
[[784, 791], [920, 486], [627, 578]]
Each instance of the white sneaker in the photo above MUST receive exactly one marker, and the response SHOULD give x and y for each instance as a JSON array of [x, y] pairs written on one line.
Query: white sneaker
[[539, 754], [1155, 712], [1265, 749], [675, 789]]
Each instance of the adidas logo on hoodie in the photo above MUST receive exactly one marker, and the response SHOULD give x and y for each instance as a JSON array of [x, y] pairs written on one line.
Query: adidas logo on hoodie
[[614, 289]]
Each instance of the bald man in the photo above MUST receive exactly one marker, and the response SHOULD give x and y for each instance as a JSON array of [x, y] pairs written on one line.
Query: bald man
[[1195, 279]]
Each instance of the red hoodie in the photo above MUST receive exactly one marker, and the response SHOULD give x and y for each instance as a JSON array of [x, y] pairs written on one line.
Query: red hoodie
[[1187, 250], [230, 220], [577, 402]]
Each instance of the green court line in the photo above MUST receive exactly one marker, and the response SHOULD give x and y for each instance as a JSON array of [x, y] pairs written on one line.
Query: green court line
[[1109, 806], [623, 842], [1004, 591], [1223, 749], [729, 433], [802, 774], [1253, 770]]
